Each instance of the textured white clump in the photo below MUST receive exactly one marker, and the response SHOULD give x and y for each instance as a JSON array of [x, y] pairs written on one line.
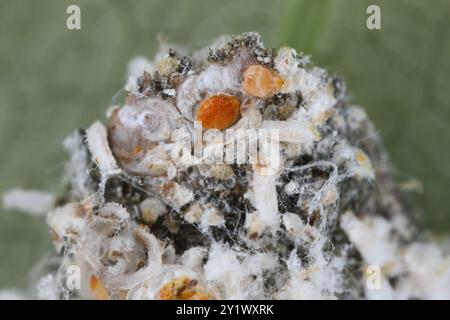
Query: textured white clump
[[218, 78], [96, 137], [48, 288], [204, 215], [152, 209], [238, 275], [294, 225], [315, 214], [66, 219], [429, 269], [139, 65], [178, 195], [362, 233], [193, 258]]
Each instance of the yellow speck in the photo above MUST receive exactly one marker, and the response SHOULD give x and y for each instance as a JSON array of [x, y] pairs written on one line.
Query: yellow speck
[[98, 289]]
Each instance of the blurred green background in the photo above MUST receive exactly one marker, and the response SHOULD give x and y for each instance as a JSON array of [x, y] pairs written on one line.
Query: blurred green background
[[53, 80]]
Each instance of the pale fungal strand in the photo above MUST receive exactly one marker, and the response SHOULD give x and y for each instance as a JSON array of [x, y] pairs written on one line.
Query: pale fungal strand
[[97, 140], [29, 201]]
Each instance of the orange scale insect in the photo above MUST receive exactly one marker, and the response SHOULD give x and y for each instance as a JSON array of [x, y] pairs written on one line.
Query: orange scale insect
[[261, 82], [183, 288], [219, 111], [98, 289]]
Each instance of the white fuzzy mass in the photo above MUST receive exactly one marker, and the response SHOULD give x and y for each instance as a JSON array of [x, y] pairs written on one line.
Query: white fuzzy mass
[[142, 222]]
